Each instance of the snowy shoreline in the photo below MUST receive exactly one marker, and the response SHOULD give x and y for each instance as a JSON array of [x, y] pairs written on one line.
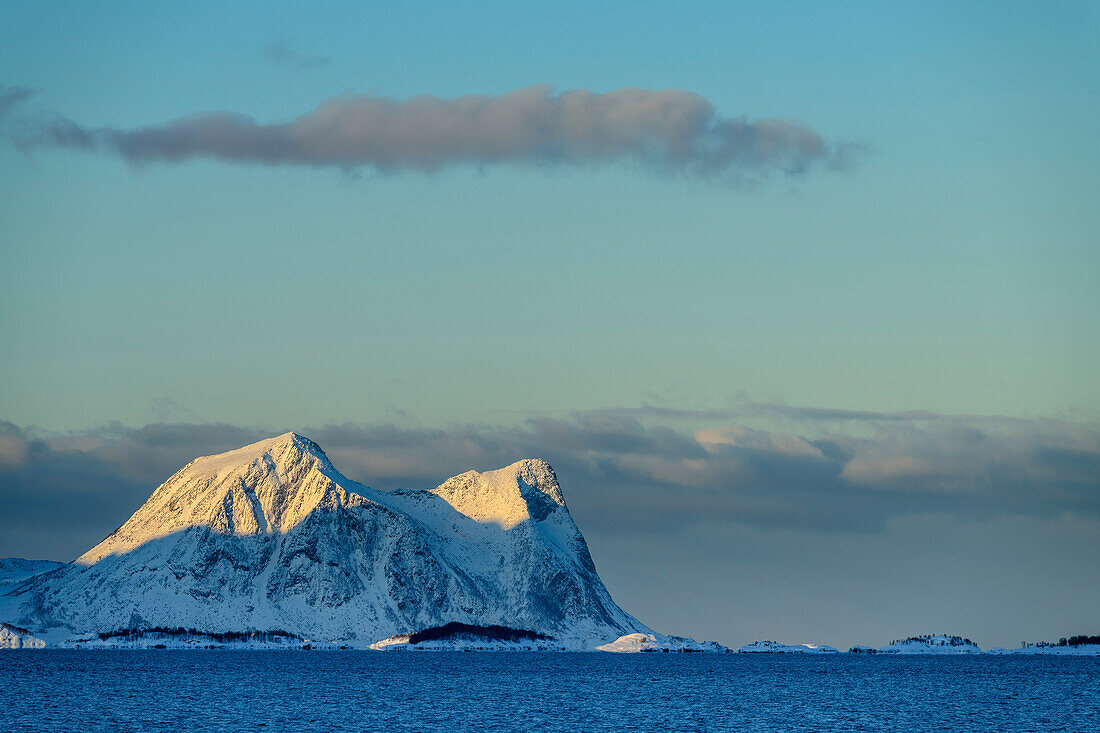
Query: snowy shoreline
[[12, 637]]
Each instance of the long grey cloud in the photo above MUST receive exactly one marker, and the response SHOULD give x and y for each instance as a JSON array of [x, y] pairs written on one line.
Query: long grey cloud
[[669, 131], [62, 493]]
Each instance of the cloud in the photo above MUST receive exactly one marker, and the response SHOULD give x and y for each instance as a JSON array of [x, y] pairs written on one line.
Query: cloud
[[828, 414], [713, 439], [1013, 465], [12, 96], [280, 51], [671, 132], [166, 409], [619, 474], [13, 445]]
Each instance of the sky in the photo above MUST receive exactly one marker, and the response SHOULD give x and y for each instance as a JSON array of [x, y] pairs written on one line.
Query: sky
[[800, 301]]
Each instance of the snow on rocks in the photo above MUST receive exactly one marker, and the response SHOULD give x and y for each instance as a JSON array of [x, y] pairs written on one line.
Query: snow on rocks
[[14, 637]]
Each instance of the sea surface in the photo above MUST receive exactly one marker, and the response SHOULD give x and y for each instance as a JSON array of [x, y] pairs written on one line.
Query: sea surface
[[84, 691]]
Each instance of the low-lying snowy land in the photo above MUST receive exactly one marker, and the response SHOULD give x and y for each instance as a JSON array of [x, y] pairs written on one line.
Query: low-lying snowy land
[[774, 647], [937, 644]]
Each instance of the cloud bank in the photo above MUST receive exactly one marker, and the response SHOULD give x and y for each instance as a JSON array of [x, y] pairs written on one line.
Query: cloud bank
[[620, 473], [670, 132]]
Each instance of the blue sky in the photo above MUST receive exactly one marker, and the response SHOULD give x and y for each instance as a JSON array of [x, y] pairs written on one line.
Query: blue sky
[[952, 269]]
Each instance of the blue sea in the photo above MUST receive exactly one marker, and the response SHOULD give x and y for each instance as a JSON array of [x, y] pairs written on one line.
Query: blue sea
[[86, 691]]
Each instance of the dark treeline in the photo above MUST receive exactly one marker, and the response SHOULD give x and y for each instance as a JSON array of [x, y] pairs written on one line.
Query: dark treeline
[[456, 630], [221, 637], [951, 640], [1073, 641], [1078, 640]]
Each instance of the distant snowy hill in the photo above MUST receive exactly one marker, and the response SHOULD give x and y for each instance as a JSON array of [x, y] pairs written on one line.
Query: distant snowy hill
[[16, 569], [271, 537], [638, 642], [931, 644], [775, 647]]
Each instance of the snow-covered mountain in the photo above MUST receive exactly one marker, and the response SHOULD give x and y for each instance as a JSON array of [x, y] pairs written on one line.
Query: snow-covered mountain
[[273, 537]]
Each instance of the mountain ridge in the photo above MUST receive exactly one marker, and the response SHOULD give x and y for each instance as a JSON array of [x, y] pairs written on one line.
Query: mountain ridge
[[273, 536]]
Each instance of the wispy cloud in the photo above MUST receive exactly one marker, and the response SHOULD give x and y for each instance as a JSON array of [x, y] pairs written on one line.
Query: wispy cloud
[[11, 96], [280, 51], [619, 473], [669, 132]]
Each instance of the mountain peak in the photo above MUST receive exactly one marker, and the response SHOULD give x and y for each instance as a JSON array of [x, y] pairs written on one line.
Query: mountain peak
[[266, 487], [527, 489], [283, 450], [537, 474]]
